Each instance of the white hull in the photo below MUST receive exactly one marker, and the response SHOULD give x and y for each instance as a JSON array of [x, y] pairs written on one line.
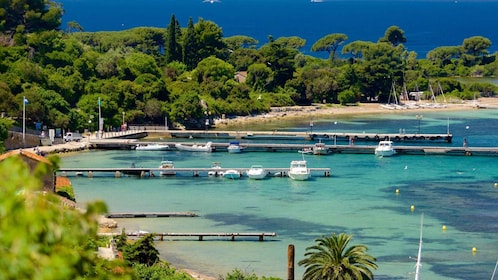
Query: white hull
[[151, 147], [256, 172], [299, 171], [234, 149], [385, 149], [195, 147], [167, 165], [231, 174], [217, 170]]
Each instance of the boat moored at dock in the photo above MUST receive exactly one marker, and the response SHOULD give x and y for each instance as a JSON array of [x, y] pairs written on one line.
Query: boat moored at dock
[[299, 170]]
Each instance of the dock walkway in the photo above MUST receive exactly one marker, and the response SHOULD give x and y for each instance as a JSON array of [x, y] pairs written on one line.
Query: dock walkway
[[201, 235]]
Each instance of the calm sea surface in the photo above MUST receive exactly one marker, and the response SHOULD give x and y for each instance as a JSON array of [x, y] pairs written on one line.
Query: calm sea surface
[[427, 24], [359, 199]]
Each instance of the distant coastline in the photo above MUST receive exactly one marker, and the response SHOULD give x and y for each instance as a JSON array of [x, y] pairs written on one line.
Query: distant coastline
[[427, 24]]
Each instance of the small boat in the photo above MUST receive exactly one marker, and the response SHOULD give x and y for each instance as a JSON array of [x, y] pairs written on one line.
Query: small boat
[[216, 170], [385, 149], [256, 172], [167, 165], [320, 149], [234, 147], [151, 147], [231, 174], [195, 147], [299, 170], [306, 151]]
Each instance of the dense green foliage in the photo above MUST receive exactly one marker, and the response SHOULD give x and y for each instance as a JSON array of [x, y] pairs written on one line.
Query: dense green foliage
[[188, 74], [332, 259], [42, 239]]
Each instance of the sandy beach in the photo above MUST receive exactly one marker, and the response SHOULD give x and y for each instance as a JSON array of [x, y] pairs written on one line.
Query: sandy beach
[[318, 110]]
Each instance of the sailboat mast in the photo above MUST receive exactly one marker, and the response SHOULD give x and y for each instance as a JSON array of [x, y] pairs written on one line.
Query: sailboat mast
[[419, 257]]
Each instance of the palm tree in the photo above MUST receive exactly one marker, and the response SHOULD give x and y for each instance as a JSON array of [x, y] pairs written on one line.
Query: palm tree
[[329, 259]]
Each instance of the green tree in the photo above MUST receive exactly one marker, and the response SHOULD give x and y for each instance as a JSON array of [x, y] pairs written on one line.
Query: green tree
[[29, 16], [475, 49], [259, 77], [394, 35], [240, 41], [329, 43], [173, 51], [292, 42], [190, 46], [142, 251], [332, 259]]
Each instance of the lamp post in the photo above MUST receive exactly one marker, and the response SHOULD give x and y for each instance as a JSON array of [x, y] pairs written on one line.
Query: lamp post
[[311, 126], [419, 118]]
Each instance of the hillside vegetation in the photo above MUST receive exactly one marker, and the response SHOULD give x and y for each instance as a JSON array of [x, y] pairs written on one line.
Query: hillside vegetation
[[192, 73]]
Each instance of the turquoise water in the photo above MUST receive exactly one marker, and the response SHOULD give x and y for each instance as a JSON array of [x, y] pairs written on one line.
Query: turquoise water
[[359, 198]]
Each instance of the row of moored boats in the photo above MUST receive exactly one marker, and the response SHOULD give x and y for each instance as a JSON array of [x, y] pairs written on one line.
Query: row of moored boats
[[298, 171]]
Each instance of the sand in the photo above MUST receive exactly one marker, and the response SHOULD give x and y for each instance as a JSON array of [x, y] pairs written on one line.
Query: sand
[[319, 110]]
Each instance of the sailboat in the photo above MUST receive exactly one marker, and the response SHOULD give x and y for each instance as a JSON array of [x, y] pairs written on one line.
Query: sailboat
[[394, 98]]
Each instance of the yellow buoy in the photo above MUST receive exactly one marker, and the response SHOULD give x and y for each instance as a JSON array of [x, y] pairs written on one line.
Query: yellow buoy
[[397, 191], [496, 185], [412, 208], [444, 228], [474, 250]]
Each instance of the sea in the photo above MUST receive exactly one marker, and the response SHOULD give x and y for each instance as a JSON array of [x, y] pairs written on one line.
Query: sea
[[428, 24], [379, 201]]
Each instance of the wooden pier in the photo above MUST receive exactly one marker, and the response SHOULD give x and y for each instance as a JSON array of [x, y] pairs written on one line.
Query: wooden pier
[[200, 236], [306, 135], [196, 172]]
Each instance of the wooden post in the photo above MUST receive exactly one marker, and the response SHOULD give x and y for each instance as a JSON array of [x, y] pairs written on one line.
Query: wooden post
[[290, 262]]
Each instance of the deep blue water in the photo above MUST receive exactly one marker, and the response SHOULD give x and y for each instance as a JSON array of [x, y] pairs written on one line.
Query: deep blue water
[[427, 24]]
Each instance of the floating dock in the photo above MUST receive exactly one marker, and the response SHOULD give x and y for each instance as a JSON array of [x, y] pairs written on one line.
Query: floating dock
[[309, 136], [196, 172], [334, 148]]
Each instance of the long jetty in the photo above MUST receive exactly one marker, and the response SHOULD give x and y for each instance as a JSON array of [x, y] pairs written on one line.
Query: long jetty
[[333, 148], [201, 235], [307, 135], [196, 172]]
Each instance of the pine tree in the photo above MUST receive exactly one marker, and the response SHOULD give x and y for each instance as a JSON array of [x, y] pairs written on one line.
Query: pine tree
[[190, 57], [173, 50]]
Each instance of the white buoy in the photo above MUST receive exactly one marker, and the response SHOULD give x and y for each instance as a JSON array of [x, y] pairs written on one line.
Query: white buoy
[[412, 208]]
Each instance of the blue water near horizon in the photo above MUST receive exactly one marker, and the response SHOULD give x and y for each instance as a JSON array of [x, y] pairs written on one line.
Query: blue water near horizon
[[427, 24], [359, 198]]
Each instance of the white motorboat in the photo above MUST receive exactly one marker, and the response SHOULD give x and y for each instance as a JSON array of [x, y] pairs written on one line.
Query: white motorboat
[[194, 147], [306, 151], [385, 149], [167, 165], [216, 170], [231, 174], [299, 170], [320, 149], [234, 147], [151, 147], [256, 172]]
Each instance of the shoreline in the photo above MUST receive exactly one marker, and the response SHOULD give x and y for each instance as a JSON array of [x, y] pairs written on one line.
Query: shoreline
[[321, 110]]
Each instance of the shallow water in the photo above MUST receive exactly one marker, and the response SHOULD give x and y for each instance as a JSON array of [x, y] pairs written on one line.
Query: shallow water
[[359, 198]]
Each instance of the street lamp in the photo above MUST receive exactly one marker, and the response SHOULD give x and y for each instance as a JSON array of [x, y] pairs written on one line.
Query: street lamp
[[311, 126], [419, 118]]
